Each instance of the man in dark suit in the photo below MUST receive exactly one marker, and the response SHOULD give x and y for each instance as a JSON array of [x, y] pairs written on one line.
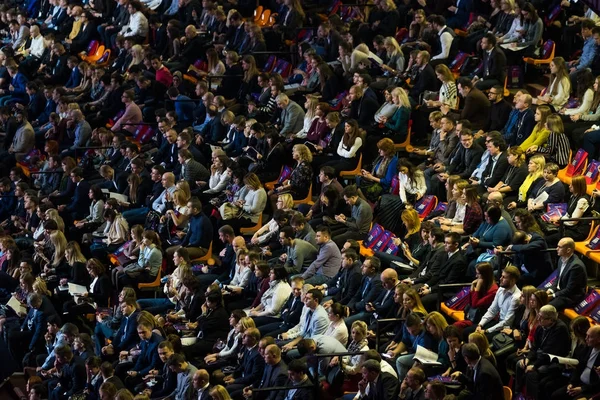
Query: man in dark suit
[[87, 33], [201, 384], [452, 271], [251, 367], [496, 166], [476, 106], [425, 79], [126, 337], [433, 261], [485, 382], [570, 285], [494, 64], [212, 325], [375, 384], [362, 108], [330, 40], [530, 250], [147, 360], [383, 302], [60, 70], [78, 208], [413, 386], [298, 376], [342, 287], [585, 381], [463, 162], [30, 337], [275, 374], [552, 336], [72, 378], [370, 285], [166, 378]]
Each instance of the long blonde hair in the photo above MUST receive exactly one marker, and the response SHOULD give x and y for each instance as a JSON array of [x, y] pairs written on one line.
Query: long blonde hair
[[540, 161], [59, 241], [52, 214], [73, 253]]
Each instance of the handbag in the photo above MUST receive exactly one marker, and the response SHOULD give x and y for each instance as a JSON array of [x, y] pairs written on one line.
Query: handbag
[[502, 344], [229, 211]]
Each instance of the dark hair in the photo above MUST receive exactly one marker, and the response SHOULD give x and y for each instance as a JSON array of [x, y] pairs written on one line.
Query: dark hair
[[97, 192], [316, 294], [288, 231], [351, 254], [464, 82], [350, 191], [438, 234], [451, 331], [436, 19], [494, 214], [324, 229], [297, 366], [280, 272], [491, 38]]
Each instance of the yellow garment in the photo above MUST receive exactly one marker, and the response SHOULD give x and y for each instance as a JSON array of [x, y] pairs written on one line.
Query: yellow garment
[[538, 138], [526, 185], [75, 30]]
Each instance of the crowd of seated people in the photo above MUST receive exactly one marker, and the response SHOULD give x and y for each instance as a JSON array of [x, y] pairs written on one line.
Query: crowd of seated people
[[188, 190]]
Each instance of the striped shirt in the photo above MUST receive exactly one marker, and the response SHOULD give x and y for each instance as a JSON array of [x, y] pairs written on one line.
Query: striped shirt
[[557, 149]]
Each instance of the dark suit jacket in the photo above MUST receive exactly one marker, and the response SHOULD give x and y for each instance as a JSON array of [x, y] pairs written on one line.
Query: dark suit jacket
[[194, 171], [594, 386], [291, 315], [538, 262], [79, 205], [169, 383], [251, 368], [465, 161], [214, 325], [85, 35], [452, 271], [431, 265], [349, 283], [36, 105], [363, 110], [573, 281], [73, 378], [38, 327], [476, 109], [127, 337], [491, 179], [273, 376], [373, 288], [487, 383], [425, 80], [300, 394], [386, 387], [554, 340], [60, 71], [496, 65]]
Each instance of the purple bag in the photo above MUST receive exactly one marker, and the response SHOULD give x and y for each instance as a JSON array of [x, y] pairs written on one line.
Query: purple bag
[[550, 280], [392, 248], [587, 305], [285, 174], [373, 235], [592, 172], [382, 241], [460, 300], [425, 205], [594, 244], [595, 314]]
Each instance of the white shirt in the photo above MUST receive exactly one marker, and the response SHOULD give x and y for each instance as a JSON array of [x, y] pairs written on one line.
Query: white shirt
[[138, 25], [505, 303], [446, 41], [37, 47]]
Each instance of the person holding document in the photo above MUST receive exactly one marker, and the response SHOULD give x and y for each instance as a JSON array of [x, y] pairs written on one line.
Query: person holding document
[[86, 302]]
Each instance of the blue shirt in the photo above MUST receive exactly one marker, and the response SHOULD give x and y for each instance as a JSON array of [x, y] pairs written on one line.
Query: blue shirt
[[587, 55], [422, 339]]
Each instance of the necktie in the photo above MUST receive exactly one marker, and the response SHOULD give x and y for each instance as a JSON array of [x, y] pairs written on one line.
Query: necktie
[[560, 272], [308, 329], [367, 284], [125, 330]]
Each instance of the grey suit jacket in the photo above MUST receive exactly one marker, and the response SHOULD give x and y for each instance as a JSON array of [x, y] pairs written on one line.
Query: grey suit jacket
[[292, 119]]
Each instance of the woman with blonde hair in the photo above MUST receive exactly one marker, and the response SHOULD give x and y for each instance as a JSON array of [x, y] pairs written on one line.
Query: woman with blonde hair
[[557, 148], [535, 168], [540, 133], [435, 323], [218, 392], [398, 123], [180, 214], [558, 92], [40, 287], [137, 56], [300, 180], [395, 56], [76, 261], [351, 364], [310, 105], [52, 214], [59, 244], [484, 346]]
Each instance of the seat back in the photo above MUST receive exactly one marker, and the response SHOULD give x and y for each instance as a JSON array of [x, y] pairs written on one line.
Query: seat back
[[92, 47]]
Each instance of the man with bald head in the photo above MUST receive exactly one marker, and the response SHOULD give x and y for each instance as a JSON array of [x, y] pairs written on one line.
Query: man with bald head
[[569, 288], [585, 380], [275, 374], [192, 46], [383, 304], [496, 199], [201, 383]]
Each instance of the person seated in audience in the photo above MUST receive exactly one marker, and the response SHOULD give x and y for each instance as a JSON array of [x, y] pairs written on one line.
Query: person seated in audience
[[298, 253], [578, 207], [584, 379], [210, 326], [452, 269], [557, 340], [570, 285], [556, 149], [290, 314], [313, 321], [486, 381], [413, 334]]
